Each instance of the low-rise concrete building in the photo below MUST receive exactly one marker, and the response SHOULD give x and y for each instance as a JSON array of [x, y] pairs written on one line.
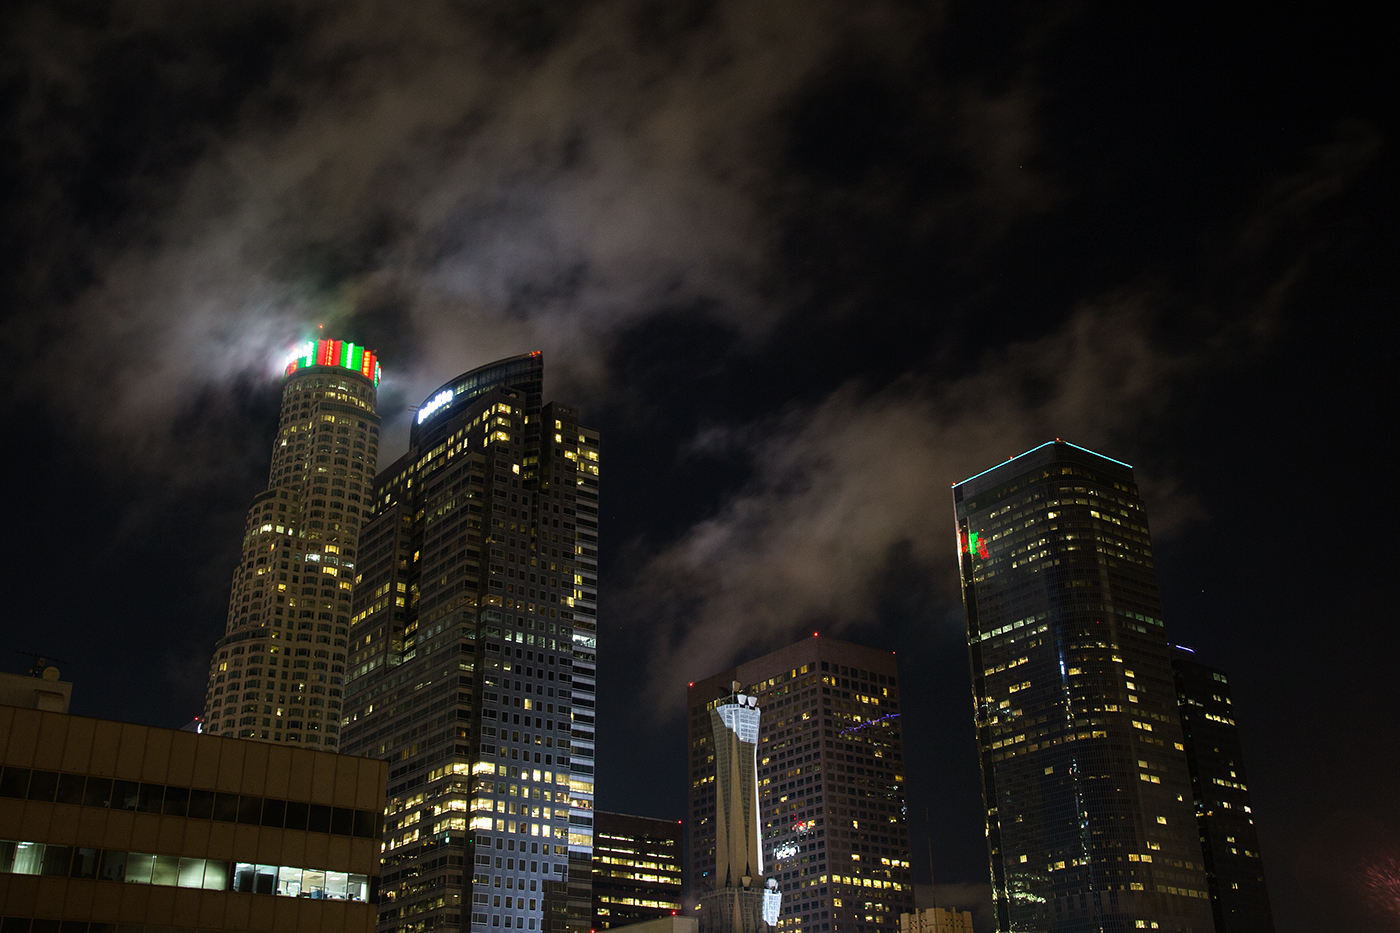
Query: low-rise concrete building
[[936, 920], [106, 824]]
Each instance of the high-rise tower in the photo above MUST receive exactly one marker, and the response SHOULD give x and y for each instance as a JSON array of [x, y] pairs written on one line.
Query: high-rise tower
[[1220, 786], [834, 835], [1090, 823], [278, 673], [472, 664]]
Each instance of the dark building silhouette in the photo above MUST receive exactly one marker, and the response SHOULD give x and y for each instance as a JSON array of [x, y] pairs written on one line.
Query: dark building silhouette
[[830, 762], [1090, 824], [1229, 841], [471, 659], [636, 869]]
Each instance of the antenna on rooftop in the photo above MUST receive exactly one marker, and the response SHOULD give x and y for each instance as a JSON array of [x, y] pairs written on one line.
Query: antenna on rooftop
[[40, 662]]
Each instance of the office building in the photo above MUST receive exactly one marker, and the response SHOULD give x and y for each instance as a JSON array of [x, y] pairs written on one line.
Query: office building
[[472, 665], [1090, 824], [636, 869], [834, 837], [1224, 817], [936, 920], [107, 826], [278, 673]]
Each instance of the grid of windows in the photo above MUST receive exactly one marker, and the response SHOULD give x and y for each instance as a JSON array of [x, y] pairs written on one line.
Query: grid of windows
[[471, 657], [1220, 787], [831, 785], [278, 673], [1085, 782], [636, 869]]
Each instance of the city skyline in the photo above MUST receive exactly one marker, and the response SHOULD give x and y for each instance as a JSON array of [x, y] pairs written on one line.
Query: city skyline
[[803, 267]]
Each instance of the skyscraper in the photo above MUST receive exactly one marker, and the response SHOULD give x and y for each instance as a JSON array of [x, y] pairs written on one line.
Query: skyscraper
[[472, 666], [830, 767], [1224, 816], [279, 670], [636, 869], [1090, 824]]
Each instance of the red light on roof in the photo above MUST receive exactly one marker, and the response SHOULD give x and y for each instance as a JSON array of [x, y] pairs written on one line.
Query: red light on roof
[[814, 634]]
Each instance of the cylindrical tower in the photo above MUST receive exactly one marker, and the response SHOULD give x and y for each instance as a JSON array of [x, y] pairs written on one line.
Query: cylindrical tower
[[278, 674]]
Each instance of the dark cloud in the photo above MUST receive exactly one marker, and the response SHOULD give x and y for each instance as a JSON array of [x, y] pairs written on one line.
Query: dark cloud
[[838, 487], [531, 179]]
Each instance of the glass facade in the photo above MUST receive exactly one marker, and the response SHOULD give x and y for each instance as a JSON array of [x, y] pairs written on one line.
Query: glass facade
[[830, 762], [1090, 825], [1220, 787], [278, 673], [471, 665]]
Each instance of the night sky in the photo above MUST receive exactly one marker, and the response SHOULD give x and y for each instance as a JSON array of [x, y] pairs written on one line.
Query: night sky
[[804, 265]]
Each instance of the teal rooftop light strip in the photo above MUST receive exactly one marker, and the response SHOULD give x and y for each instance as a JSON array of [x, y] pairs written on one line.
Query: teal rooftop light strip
[[1034, 449]]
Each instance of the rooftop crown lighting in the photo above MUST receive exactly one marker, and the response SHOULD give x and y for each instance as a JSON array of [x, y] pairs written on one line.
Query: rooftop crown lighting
[[340, 353]]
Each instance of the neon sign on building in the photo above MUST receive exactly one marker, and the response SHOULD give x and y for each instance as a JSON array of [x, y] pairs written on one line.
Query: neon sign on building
[[974, 543], [440, 400], [340, 353]]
